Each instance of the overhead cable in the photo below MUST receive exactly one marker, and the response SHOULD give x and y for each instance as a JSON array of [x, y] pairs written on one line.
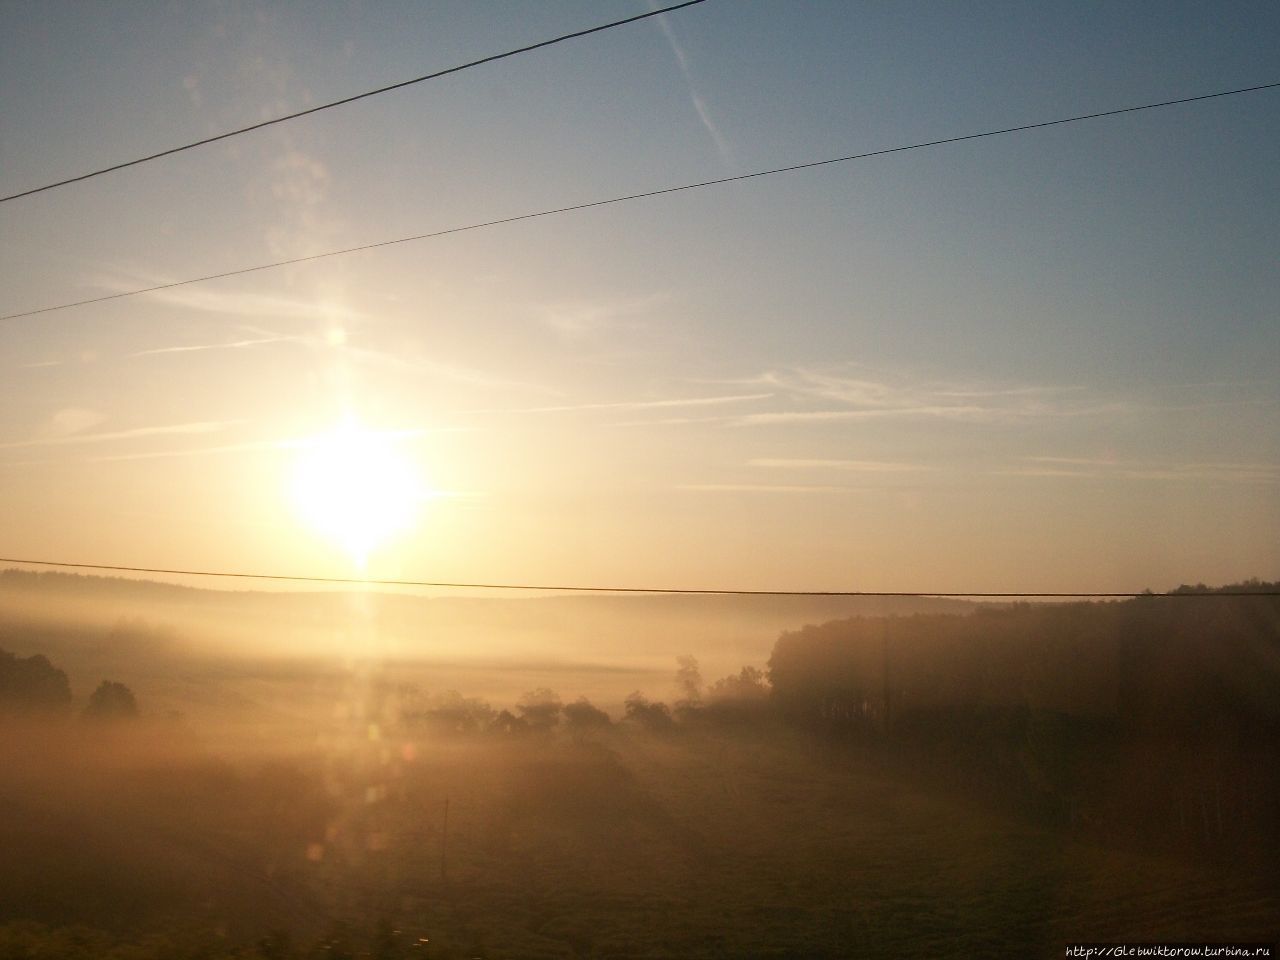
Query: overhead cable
[[637, 196], [578, 588], [345, 100]]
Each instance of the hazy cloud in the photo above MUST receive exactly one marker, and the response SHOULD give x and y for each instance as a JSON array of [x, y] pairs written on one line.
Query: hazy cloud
[[68, 422], [235, 303], [454, 372], [575, 319], [211, 426]]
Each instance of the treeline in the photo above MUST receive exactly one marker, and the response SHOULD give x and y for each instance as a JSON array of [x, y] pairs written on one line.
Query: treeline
[[1157, 715], [737, 698]]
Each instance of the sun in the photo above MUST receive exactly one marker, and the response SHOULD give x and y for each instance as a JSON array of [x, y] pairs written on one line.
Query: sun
[[355, 487]]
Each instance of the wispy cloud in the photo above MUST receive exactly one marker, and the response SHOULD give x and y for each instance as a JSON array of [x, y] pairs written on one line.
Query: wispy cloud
[[853, 466], [248, 446], [70, 421], [235, 302], [699, 104], [329, 319], [900, 395], [974, 393], [671, 421], [195, 348], [200, 427], [1208, 472], [764, 488], [971, 413], [639, 404], [816, 394], [1044, 472], [1074, 461], [575, 319], [453, 372], [835, 394], [1088, 468]]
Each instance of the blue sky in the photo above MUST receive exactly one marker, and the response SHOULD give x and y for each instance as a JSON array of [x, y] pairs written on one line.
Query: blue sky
[[1041, 361]]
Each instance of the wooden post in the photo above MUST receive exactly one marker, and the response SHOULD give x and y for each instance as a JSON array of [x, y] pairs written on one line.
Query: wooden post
[[444, 844], [888, 681]]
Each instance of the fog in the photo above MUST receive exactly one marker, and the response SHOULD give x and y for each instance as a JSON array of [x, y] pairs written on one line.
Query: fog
[[603, 647], [189, 772]]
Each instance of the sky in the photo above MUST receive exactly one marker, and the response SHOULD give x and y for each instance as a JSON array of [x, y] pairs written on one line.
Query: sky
[[1043, 361]]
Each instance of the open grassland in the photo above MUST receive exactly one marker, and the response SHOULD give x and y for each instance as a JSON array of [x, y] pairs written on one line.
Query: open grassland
[[749, 843], [764, 845]]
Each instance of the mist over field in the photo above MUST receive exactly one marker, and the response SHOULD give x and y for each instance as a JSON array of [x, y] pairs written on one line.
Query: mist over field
[[601, 646], [197, 773]]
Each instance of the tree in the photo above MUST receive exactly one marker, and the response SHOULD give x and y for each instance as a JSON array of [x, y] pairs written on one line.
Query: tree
[[32, 685], [749, 685], [540, 708], [739, 697], [654, 717], [583, 715], [111, 701], [689, 681], [449, 713], [508, 724]]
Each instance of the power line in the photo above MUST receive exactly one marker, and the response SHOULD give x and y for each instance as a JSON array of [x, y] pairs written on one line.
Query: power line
[[351, 99], [575, 588], [637, 196]]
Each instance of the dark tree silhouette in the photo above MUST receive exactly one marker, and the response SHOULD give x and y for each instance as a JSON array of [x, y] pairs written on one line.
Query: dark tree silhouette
[[583, 715], [508, 724], [740, 697], [689, 681], [1045, 702], [654, 717], [748, 685], [32, 685], [449, 713], [540, 708], [111, 701]]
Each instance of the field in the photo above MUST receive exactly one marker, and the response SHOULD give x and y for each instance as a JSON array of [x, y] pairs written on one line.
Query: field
[[698, 844]]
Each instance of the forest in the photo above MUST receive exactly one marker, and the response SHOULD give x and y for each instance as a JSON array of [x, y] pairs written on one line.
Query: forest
[[997, 778], [1157, 716]]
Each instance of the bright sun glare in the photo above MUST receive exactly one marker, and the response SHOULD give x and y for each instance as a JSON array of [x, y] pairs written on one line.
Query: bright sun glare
[[353, 486]]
